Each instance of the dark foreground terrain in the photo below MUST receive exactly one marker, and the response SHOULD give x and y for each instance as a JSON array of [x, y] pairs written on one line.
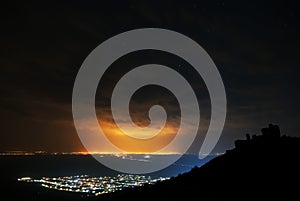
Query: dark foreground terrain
[[260, 167]]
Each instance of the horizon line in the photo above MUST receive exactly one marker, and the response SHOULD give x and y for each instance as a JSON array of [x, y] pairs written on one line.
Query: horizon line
[[30, 153]]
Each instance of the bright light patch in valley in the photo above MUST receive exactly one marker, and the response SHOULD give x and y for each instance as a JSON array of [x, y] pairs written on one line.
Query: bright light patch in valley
[[93, 185]]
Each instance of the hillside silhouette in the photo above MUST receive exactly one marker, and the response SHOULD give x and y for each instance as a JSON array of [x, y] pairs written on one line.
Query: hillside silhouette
[[262, 166]]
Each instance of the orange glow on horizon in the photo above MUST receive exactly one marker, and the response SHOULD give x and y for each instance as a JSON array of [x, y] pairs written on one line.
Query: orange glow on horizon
[[134, 145]]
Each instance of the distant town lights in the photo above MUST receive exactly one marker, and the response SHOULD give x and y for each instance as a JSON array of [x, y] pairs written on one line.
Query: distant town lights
[[93, 185]]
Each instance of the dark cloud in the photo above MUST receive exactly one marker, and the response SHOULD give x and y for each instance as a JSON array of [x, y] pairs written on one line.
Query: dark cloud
[[43, 44]]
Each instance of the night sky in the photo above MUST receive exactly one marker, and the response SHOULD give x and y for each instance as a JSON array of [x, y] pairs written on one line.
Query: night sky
[[255, 47]]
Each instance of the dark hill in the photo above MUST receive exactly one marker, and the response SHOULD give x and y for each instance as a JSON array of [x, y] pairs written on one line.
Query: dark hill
[[261, 167]]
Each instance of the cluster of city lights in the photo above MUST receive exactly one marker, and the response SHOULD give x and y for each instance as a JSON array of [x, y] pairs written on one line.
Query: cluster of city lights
[[93, 185]]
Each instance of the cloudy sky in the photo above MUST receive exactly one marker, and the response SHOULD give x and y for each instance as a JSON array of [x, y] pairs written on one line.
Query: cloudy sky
[[255, 47]]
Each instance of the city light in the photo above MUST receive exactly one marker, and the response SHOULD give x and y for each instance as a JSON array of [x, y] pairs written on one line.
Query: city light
[[93, 185]]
